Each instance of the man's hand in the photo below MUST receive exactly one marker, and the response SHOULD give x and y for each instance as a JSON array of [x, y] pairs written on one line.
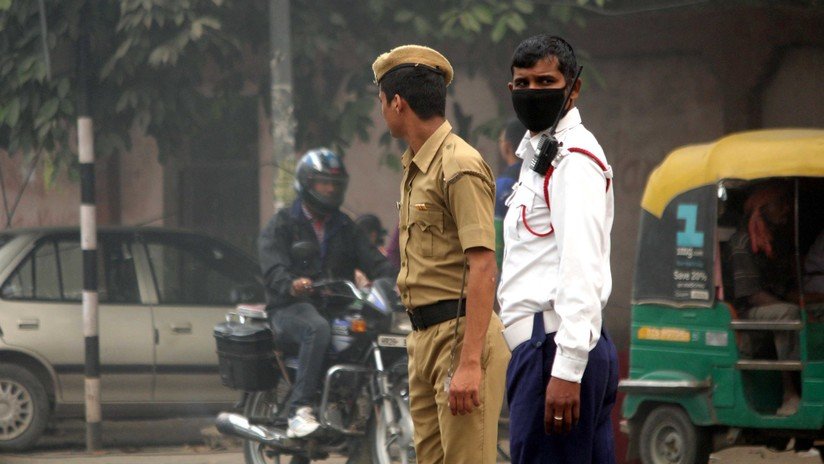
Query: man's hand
[[563, 405], [464, 391], [302, 286]]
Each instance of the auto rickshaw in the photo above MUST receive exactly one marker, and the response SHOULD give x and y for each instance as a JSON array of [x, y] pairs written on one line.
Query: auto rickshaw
[[694, 387]]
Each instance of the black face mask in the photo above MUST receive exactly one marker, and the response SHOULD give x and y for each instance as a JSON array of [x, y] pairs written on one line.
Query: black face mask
[[537, 108]]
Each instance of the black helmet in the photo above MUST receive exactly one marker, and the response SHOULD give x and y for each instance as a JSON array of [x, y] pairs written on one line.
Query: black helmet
[[321, 164]]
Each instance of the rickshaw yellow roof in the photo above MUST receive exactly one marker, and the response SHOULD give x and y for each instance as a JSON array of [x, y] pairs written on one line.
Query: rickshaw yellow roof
[[745, 155]]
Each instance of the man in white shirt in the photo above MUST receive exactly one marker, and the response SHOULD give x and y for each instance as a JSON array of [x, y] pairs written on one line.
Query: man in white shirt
[[563, 375]]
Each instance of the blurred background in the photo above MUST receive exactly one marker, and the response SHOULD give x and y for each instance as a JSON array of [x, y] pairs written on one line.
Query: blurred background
[[202, 106]]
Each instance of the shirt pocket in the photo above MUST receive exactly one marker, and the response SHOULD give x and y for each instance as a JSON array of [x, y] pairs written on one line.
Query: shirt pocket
[[528, 215], [426, 231]]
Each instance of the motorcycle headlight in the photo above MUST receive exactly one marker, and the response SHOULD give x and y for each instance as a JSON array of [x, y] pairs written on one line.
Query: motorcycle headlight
[[400, 323]]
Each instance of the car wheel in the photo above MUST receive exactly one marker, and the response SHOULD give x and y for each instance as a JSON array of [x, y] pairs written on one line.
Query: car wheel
[[668, 436], [24, 408]]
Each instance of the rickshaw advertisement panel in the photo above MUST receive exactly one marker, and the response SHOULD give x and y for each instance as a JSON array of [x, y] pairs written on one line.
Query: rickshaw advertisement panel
[[677, 252]]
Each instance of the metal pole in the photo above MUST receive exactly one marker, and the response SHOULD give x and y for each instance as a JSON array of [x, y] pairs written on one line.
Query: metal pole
[[88, 234], [283, 124]]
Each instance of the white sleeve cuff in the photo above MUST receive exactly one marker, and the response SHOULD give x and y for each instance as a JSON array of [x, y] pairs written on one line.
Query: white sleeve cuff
[[569, 369]]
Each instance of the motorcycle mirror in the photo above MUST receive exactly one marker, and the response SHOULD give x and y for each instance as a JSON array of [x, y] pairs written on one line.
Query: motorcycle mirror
[[304, 252]]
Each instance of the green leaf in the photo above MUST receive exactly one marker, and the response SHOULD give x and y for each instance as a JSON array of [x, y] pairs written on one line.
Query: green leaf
[[44, 130], [516, 22], [421, 25], [49, 109], [63, 88], [403, 16], [160, 55], [469, 22], [483, 14], [123, 49], [49, 171], [499, 30], [13, 112], [523, 6], [123, 101], [197, 30], [214, 23], [5, 5], [561, 13]]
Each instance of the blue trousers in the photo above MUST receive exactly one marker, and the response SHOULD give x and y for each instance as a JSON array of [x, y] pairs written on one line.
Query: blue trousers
[[591, 441], [302, 324]]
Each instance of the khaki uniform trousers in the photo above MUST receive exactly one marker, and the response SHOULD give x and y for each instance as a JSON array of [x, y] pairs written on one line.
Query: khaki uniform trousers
[[441, 437]]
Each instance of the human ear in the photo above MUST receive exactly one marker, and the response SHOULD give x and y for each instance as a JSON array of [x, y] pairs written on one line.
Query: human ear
[[576, 90]]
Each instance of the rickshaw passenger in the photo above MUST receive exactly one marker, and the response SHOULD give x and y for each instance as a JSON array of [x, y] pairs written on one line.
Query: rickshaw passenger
[[762, 261]]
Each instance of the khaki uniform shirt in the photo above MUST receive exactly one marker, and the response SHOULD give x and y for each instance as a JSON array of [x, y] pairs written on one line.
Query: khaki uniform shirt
[[446, 207]]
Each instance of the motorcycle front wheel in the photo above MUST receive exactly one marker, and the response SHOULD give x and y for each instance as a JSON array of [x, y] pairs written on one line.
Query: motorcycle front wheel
[[393, 444]]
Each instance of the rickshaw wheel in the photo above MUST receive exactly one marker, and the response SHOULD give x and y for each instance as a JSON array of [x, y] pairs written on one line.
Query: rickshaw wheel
[[668, 436]]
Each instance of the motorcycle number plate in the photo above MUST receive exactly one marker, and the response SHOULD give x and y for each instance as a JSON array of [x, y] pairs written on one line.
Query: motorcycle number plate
[[392, 341]]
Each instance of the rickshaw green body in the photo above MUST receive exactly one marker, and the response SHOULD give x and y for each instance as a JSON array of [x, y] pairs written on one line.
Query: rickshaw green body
[[684, 345], [719, 396]]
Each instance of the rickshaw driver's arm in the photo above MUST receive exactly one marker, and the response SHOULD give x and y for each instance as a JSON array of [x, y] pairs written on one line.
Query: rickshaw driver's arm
[[579, 204], [464, 391]]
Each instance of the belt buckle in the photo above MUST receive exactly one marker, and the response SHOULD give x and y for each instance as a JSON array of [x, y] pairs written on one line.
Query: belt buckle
[[412, 318]]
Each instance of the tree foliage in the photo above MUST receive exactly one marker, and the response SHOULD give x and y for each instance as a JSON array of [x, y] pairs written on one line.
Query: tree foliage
[[166, 67]]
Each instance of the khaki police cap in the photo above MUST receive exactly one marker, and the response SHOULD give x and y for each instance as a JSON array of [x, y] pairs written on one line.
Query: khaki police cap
[[410, 56]]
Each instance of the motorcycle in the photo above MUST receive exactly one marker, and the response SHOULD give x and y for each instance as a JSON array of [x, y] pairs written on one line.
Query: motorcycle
[[364, 410]]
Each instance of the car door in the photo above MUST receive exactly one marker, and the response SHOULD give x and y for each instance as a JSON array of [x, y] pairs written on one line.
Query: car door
[[198, 280], [44, 296]]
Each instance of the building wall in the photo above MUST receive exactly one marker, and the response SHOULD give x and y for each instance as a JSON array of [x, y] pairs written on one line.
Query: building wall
[[141, 184], [793, 96], [128, 190], [647, 106], [39, 204]]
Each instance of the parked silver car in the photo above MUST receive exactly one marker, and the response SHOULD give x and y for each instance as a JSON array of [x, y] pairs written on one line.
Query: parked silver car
[[161, 293]]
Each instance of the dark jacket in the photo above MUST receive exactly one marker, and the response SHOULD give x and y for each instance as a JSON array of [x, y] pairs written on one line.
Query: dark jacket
[[345, 248]]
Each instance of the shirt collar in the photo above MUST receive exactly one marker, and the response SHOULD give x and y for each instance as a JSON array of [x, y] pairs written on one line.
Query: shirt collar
[[423, 158], [307, 213], [529, 144]]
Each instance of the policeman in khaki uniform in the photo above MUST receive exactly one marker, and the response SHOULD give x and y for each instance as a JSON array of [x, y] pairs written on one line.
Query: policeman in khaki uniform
[[446, 223]]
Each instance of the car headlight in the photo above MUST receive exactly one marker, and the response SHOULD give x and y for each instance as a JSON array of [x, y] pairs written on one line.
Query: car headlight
[[400, 323]]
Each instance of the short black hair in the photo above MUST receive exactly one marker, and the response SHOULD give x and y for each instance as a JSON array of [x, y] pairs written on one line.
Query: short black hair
[[514, 132], [538, 47], [423, 88], [370, 223]]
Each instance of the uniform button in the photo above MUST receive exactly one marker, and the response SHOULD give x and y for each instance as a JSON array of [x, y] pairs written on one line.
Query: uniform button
[[538, 344]]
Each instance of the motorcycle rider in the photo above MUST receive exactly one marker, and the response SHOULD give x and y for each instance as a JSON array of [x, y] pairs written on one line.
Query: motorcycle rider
[[339, 247]]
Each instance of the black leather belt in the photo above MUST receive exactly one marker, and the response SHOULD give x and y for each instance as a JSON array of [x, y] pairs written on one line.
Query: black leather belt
[[426, 316]]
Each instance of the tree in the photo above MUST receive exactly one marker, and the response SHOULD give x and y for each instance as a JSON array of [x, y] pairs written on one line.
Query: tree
[[165, 67]]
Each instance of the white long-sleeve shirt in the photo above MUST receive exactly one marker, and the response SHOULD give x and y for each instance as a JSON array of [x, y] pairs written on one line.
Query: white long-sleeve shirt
[[567, 271]]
